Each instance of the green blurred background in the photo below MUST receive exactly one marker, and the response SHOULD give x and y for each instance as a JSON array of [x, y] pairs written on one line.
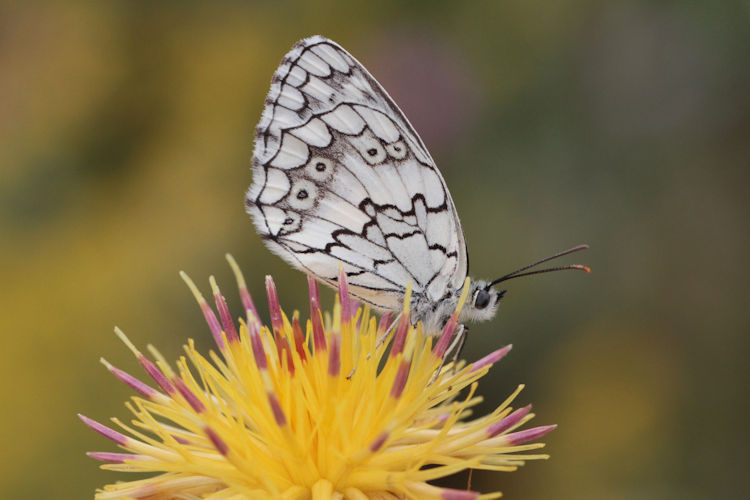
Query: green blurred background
[[125, 144]]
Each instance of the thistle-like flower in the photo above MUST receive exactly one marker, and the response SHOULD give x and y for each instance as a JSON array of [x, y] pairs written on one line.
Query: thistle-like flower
[[311, 409]]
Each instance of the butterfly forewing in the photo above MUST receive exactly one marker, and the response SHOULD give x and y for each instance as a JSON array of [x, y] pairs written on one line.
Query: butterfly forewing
[[340, 176]]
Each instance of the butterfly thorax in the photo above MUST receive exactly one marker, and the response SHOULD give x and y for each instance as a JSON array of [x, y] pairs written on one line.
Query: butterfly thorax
[[481, 305], [433, 315]]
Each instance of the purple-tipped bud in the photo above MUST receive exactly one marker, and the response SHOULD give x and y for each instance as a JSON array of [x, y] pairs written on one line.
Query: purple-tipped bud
[[346, 310], [527, 435], [180, 440], [213, 323], [319, 337], [156, 374], [508, 422], [273, 305], [400, 381], [450, 494], [445, 338], [247, 302], [258, 351], [334, 357], [442, 418], [491, 358], [353, 308], [135, 384], [219, 444], [105, 431], [400, 338], [195, 403], [226, 317], [385, 322], [312, 286], [285, 351], [299, 339], [114, 458], [278, 413], [379, 441]]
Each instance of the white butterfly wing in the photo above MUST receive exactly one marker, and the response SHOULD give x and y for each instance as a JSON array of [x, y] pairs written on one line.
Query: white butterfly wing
[[340, 175]]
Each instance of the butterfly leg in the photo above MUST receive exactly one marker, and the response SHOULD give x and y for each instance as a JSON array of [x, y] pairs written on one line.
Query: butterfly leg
[[459, 344], [387, 333], [456, 346], [380, 341]]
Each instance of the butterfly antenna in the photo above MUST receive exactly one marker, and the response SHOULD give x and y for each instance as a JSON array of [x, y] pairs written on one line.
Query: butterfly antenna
[[520, 272]]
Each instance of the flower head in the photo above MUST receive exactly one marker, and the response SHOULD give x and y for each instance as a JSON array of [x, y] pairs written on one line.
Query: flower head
[[311, 409]]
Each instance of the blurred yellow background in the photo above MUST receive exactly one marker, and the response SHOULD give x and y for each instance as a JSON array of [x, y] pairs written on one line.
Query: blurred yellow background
[[125, 144]]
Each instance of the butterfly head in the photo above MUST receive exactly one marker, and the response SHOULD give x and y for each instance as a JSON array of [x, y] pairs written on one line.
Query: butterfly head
[[482, 303]]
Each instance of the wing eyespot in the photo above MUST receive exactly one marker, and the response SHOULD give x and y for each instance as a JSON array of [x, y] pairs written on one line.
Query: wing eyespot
[[319, 169], [291, 224], [303, 195], [397, 150], [370, 149]]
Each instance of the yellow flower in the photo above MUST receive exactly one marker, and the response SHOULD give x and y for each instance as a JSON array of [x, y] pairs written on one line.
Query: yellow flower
[[315, 409]]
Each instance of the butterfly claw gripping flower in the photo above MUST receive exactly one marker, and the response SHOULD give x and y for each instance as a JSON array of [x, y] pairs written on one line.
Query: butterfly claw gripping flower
[[310, 409]]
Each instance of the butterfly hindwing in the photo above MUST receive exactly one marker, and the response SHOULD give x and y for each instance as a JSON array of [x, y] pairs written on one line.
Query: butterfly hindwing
[[339, 175]]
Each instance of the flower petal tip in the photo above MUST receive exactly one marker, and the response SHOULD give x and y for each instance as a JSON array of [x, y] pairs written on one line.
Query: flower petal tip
[[508, 422], [492, 358], [449, 494], [527, 435], [189, 396], [219, 444], [113, 458], [105, 431]]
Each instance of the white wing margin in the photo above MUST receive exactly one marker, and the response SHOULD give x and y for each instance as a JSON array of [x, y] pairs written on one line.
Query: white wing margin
[[340, 175]]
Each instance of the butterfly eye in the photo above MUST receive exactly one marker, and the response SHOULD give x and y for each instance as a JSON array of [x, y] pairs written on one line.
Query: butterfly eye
[[481, 298]]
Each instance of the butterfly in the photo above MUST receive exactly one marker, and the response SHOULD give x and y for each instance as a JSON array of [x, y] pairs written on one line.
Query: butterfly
[[340, 177]]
